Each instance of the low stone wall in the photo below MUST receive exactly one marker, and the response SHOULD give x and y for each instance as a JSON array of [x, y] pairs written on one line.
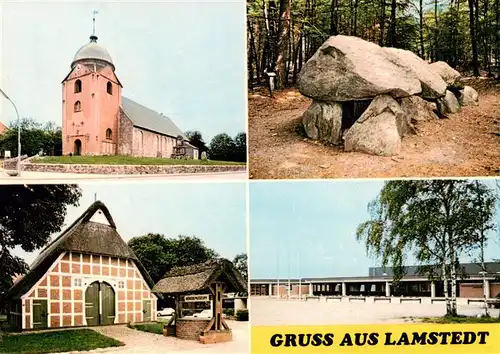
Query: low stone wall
[[11, 164], [130, 169], [190, 329]]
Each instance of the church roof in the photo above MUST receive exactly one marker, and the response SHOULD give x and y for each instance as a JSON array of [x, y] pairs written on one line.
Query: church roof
[[196, 278], [83, 236], [148, 119], [92, 51]]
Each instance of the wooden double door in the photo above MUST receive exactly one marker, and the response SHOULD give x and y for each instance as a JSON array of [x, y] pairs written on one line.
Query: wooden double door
[[100, 304]]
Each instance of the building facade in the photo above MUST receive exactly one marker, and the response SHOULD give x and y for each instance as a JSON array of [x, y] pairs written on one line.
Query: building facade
[[379, 282], [3, 128], [87, 276], [97, 120]]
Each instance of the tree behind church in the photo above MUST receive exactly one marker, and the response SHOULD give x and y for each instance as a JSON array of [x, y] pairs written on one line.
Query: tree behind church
[[28, 216], [196, 139], [159, 254], [240, 152]]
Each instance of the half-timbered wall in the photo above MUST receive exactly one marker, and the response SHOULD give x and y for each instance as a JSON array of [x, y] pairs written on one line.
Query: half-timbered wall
[[64, 285]]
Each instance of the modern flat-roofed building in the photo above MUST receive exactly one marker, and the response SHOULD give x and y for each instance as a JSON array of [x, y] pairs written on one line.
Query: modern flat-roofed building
[[379, 282]]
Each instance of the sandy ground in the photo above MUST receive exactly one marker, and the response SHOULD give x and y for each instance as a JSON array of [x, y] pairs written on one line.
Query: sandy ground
[[465, 144], [274, 312], [143, 342]]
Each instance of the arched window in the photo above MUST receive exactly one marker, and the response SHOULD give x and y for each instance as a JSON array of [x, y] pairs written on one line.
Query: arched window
[[109, 134], [109, 88], [78, 106], [78, 86]]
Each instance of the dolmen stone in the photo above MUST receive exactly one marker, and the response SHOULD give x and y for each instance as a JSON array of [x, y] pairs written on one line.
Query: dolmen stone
[[394, 88]]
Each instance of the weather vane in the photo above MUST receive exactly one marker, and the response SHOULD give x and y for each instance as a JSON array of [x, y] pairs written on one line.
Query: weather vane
[[94, 13]]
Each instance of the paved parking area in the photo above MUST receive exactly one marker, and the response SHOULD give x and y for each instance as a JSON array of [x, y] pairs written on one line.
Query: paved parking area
[[143, 342], [274, 312]]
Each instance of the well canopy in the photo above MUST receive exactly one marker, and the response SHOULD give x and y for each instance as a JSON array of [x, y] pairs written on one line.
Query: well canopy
[[197, 278]]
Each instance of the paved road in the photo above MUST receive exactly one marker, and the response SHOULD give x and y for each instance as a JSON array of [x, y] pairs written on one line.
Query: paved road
[[142, 342], [274, 312], [49, 177]]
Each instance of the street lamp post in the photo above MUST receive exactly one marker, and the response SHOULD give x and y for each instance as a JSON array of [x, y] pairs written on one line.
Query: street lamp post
[[18, 133]]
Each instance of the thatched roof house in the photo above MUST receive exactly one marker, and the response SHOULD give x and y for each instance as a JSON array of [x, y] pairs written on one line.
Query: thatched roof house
[[197, 278], [87, 262], [83, 236]]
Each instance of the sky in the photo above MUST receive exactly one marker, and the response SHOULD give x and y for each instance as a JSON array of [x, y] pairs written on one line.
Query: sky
[[184, 59], [308, 229], [213, 212]]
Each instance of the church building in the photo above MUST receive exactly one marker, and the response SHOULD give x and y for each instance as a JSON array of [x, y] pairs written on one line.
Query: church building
[[87, 276], [97, 120]]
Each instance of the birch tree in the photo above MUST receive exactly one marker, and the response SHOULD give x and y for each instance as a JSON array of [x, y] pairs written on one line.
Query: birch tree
[[434, 222]]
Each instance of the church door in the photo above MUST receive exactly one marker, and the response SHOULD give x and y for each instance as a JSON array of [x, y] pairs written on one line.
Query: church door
[[78, 147]]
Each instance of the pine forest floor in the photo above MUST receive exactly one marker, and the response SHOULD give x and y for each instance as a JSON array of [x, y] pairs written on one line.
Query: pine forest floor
[[465, 144]]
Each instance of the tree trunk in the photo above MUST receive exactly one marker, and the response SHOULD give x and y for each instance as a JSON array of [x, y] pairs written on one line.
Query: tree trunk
[[497, 39], [445, 287], [436, 32], [421, 15], [487, 61], [253, 55], [391, 40], [334, 29], [355, 18], [453, 283], [382, 22], [472, 28], [281, 52]]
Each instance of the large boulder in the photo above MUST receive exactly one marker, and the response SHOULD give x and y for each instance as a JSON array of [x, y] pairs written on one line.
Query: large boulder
[[350, 69], [379, 129], [468, 97], [323, 121], [433, 86], [417, 109], [449, 75], [448, 103]]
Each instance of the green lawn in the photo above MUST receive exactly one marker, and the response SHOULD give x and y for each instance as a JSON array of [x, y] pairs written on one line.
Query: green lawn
[[460, 319], [56, 342], [126, 160], [156, 328]]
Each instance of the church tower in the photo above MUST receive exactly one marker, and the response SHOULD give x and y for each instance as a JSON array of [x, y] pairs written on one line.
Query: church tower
[[91, 102]]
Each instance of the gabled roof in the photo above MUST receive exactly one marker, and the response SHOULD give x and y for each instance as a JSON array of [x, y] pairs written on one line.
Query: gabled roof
[[146, 118], [83, 236], [198, 278]]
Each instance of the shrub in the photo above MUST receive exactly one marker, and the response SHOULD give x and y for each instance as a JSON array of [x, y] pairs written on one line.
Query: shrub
[[228, 312], [242, 315]]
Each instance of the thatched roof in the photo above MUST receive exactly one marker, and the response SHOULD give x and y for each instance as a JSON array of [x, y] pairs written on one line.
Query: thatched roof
[[83, 236], [197, 278]]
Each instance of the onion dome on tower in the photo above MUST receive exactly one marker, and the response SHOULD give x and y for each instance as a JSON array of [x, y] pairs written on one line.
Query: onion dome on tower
[[92, 52]]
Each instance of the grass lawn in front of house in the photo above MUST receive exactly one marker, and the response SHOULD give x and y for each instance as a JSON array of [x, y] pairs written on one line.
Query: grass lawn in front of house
[[156, 327], [126, 160], [460, 319], [56, 342]]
